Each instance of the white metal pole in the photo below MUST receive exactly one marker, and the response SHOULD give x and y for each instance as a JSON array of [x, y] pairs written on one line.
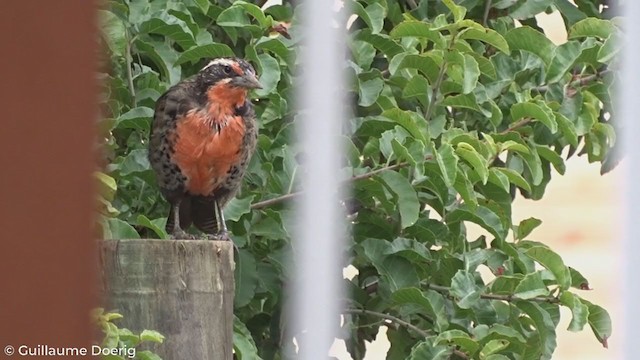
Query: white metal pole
[[629, 91], [318, 243]]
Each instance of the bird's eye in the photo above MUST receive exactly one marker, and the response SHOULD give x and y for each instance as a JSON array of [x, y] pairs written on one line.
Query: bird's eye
[[226, 69]]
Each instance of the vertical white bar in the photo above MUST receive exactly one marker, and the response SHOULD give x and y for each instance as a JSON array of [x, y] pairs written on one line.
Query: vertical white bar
[[629, 91], [318, 244]]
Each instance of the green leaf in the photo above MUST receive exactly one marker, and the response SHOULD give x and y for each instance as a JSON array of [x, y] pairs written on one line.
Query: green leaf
[[471, 74], [369, 90], [579, 310], [401, 152], [381, 42], [431, 303], [254, 11], [471, 155], [277, 47], [528, 9], [482, 216], [532, 160], [514, 146], [458, 11], [515, 178], [531, 286], [425, 350], [592, 27], [567, 128], [115, 32], [170, 26], [526, 226], [121, 230], [448, 163], [465, 290], [497, 357], [600, 322], [463, 101], [246, 278], [162, 56], [552, 262], [243, 344], [106, 185], [563, 60], [569, 11], [493, 347], [203, 5], [488, 36], [156, 226], [373, 15], [458, 338], [237, 16], [408, 204], [545, 328], [464, 187], [499, 179], [540, 112], [200, 52], [424, 64], [135, 162], [238, 207], [578, 280], [269, 74], [151, 336], [408, 120], [138, 118], [553, 157], [530, 40], [609, 49], [418, 86], [419, 29], [398, 272]]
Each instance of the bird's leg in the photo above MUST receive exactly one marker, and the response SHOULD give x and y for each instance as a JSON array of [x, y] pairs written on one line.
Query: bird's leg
[[177, 232], [221, 225]]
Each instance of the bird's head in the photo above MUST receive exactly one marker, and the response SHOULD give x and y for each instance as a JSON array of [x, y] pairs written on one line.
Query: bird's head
[[230, 73]]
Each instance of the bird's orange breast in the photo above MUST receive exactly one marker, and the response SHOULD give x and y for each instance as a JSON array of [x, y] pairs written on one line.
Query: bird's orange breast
[[206, 148]]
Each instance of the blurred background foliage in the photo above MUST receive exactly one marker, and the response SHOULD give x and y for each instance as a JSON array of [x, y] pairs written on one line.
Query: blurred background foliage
[[456, 108]]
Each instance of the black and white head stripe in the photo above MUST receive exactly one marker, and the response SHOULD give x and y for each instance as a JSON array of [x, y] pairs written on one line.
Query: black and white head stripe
[[221, 61], [240, 66]]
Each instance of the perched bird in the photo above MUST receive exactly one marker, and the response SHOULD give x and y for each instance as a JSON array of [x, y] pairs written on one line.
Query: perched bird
[[202, 137]]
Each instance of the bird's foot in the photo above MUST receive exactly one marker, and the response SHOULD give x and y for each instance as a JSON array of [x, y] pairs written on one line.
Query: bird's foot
[[220, 236], [182, 235]]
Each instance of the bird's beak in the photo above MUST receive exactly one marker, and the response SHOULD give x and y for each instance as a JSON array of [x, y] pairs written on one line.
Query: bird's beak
[[248, 81]]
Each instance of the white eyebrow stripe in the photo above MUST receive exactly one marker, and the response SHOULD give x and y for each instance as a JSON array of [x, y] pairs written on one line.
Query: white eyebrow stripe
[[220, 61]]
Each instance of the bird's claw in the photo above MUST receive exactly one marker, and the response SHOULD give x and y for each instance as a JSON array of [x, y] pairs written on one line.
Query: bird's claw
[[182, 235], [221, 236]]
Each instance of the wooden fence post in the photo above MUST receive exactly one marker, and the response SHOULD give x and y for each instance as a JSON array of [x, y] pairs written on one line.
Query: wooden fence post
[[182, 288]]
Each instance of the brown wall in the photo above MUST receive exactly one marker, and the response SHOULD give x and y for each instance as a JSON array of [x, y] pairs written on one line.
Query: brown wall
[[48, 108]]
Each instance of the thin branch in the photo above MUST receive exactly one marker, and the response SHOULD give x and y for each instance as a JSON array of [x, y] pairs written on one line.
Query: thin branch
[[279, 199], [412, 4], [392, 318], [129, 61], [487, 9], [434, 92], [579, 81], [510, 298], [516, 125], [399, 321]]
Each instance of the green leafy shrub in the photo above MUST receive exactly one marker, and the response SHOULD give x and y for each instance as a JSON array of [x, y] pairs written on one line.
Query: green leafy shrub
[[457, 109], [121, 341]]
